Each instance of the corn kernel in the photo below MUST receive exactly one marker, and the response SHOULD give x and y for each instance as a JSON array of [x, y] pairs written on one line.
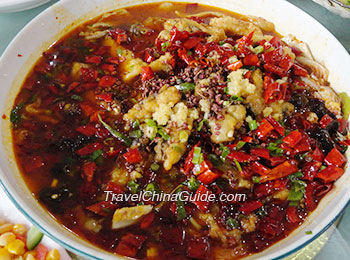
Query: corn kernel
[[16, 247], [5, 228], [54, 183], [30, 257], [152, 252], [6, 238], [54, 254], [4, 254], [19, 229]]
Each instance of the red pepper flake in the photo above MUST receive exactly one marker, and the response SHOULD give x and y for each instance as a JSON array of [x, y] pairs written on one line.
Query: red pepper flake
[[310, 170], [334, 157], [103, 208], [241, 156], [72, 86], [248, 207], [132, 156], [87, 130], [293, 215], [191, 42], [326, 120], [276, 160], [251, 60], [261, 152], [235, 66], [130, 244], [111, 68], [299, 70], [89, 149], [146, 73], [113, 60], [331, 173], [93, 59], [293, 138], [107, 97], [19, 55], [188, 166], [280, 171], [107, 81], [209, 176], [202, 193], [264, 129], [88, 75], [88, 110], [147, 220], [259, 168], [303, 145], [198, 248], [278, 127], [89, 171], [318, 155], [113, 187], [204, 166]]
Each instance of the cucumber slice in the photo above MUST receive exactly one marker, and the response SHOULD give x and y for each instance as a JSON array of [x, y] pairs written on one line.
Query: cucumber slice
[[34, 237], [346, 105]]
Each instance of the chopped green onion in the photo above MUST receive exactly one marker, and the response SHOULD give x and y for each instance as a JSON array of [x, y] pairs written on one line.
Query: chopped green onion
[[322, 167], [226, 90], [258, 49], [190, 53], [163, 134], [345, 100], [214, 159], [183, 136], [133, 187], [256, 179], [308, 232], [297, 192], [261, 212], [152, 187], [201, 123], [294, 176], [150, 122], [225, 152], [155, 166], [240, 144], [76, 97], [231, 223], [135, 134], [274, 149], [119, 51], [180, 210], [15, 116], [226, 103], [165, 46], [114, 132], [193, 184], [177, 148], [197, 155], [185, 87], [95, 155], [34, 237], [239, 167], [236, 98], [253, 125], [221, 43], [136, 124]]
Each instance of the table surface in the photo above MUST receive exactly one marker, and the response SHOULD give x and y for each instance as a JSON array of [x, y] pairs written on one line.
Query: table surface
[[338, 246]]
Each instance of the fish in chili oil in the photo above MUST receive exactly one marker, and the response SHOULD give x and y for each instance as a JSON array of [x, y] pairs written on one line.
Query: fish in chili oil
[[176, 97]]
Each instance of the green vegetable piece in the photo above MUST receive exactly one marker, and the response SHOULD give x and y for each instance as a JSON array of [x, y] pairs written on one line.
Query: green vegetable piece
[[183, 136], [197, 155], [232, 223], [155, 166], [308, 232], [258, 49], [163, 134], [136, 124], [76, 97], [115, 133], [345, 104], [180, 210], [34, 237], [253, 125], [152, 187], [225, 152], [165, 46], [133, 187], [201, 123], [193, 184], [214, 159], [185, 87], [256, 179], [240, 144], [135, 134], [95, 155], [15, 116], [150, 122], [239, 167]]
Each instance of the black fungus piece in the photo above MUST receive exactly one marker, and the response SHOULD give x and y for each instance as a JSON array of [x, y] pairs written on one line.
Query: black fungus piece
[[333, 127], [62, 171], [54, 198], [323, 138], [67, 144], [299, 100], [317, 106]]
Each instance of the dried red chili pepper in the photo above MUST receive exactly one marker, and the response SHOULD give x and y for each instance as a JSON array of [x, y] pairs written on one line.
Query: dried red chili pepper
[[248, 207], [89, 171], [334, 157], [132, 156], [202, 204], [293, 138], [264, 129], [331, 173]]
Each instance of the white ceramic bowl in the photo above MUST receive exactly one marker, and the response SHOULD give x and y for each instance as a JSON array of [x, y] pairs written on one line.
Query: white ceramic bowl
[[49, 26], [7, 6]]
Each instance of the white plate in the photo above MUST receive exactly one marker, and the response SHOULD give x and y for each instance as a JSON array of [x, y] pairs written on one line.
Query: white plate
[[7, 6], [335, 8], [8, 212], [52, 24]]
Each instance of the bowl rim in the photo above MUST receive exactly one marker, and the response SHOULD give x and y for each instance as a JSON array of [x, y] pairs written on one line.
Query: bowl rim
[[74, 249]]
